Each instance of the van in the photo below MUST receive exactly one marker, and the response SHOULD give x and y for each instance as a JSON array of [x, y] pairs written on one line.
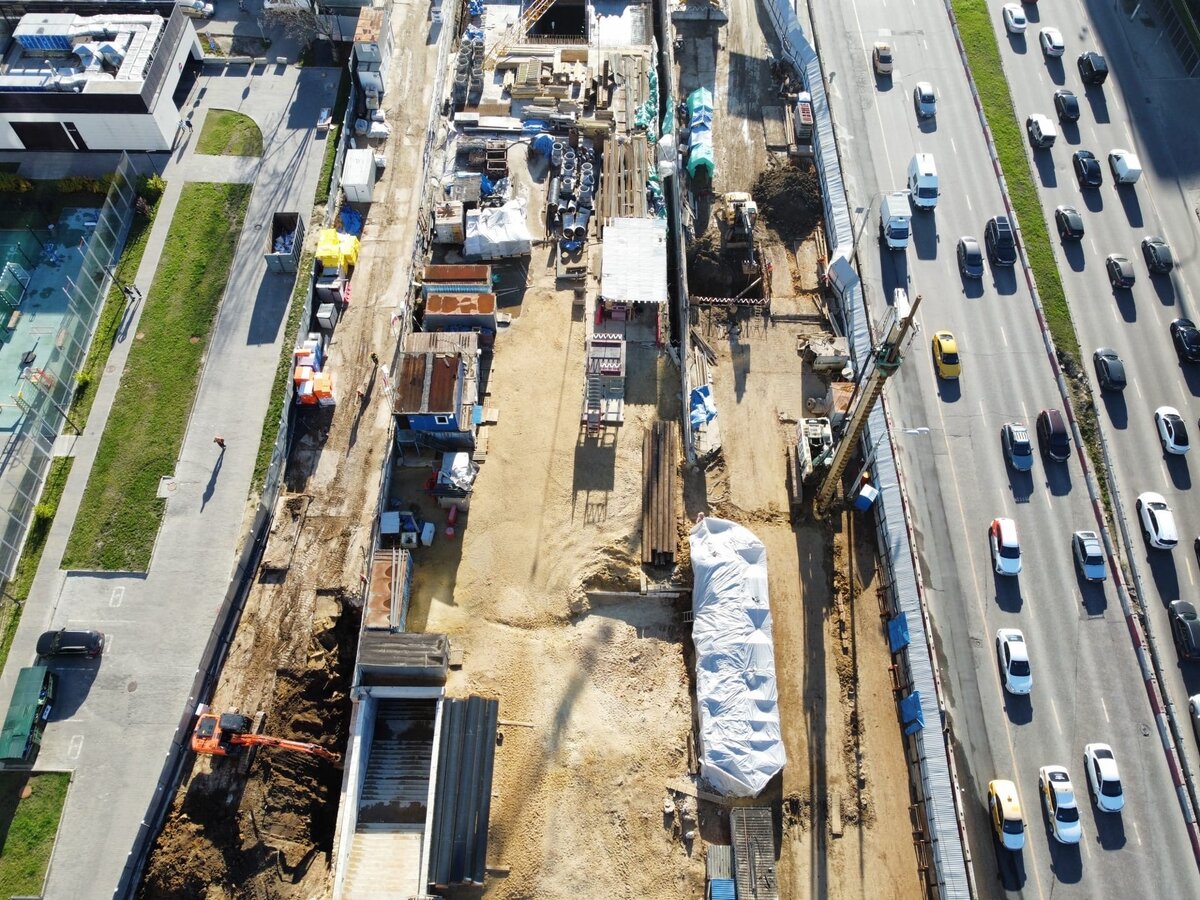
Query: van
[[1126, 167], [1042, 133], [28, 712], [1093, 68], [1052, 435], [923, 181]]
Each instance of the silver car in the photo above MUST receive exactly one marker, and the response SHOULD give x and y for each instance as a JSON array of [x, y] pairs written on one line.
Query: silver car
[[1089, 555]]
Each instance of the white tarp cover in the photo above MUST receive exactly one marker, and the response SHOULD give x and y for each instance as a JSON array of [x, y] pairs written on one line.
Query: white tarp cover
[[741, 741], [633, 261], [498, 232]]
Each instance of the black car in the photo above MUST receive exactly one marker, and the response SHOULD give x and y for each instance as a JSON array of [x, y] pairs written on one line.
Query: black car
[[1069, 223], [1185, 629], [71, 643], [1087, 169], [1186, 339], [1093, 68], [1001, 242], [1120, 271], [1066, 104], [1052, 435], [1110, 371], [970, 258], [1158, 255]]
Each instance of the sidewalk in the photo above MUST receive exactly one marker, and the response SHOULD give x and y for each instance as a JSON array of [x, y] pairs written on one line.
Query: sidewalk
[[113, 723]]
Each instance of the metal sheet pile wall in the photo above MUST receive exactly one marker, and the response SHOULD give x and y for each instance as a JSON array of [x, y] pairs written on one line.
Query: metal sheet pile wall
[[462, 801]]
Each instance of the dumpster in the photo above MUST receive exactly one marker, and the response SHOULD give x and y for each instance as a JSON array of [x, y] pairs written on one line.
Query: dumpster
[[285, 242]]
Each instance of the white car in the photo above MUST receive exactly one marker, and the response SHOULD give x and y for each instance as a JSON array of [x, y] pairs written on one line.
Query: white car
[[1158, 522], [1058, 799], [1103, 777], [1013, 654], [1052, 42], [1006, 549], [1014, 18], [1172, 432]]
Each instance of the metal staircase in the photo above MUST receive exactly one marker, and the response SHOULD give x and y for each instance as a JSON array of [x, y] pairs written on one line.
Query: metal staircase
[[517, 31], [594, 408]]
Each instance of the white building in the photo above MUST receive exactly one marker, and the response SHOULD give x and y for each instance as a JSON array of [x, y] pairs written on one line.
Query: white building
[[103, 82]]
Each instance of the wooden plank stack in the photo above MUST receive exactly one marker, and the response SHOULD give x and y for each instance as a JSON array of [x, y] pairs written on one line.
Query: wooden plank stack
[[660, 454]]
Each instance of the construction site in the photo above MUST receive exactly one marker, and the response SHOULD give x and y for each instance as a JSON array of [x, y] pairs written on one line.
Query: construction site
[[474, 657]]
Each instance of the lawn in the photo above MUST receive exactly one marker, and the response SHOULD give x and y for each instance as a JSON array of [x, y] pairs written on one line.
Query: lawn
[[118, 519], [229, 133], [27, 829], [17, 590], [975, 26]]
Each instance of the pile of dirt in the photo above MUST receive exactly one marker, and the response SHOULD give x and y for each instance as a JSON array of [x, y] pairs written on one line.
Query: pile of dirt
[[789, 201], [709, 272], [232, 837]]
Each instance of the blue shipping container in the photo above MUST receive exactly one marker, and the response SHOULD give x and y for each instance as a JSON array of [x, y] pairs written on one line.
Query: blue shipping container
[[721, 889]]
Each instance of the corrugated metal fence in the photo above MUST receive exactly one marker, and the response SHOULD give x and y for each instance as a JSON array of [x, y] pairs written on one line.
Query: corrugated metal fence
[[934, 758]]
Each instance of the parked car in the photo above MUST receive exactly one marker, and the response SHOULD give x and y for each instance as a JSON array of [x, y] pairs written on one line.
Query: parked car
[[1004, 809], [1052, 435], [1069, 223], [1120, 271], [1052, 42], [945, 355], [1110, 370], [1093, 68], [1172, 431], [1001, 241], [66, 642], [1186, 339], [1089, 555], [1012, 653], [1058, 799], [1087, 169], [1017, 447], [1157, 252], [924, 100], [1014, 18], [1185, 629], [1066, 104], [1103, 777], [970, 258], [1158, 522]]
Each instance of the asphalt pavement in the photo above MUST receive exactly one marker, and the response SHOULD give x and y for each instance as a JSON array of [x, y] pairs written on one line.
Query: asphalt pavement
[[1087, 684]]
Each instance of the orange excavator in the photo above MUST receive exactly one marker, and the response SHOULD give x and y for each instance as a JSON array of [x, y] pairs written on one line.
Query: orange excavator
[[229, 733]]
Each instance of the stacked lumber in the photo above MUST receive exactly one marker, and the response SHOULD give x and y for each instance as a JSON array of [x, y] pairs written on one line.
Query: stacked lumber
[[625, 174], [660, 452]]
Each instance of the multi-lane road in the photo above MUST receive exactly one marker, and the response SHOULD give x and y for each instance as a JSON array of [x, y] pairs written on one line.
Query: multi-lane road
[[1087, 683]]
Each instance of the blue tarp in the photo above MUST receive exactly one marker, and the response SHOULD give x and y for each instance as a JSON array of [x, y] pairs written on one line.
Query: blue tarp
[[701, 407], [910, 713], [898, 633], [352, 221], [543, 144]]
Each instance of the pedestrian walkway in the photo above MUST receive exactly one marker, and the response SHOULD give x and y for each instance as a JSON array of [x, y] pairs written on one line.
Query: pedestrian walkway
[[114, 722]]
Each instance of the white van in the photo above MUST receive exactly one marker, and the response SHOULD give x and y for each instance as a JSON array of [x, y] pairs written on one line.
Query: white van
[[1126, 167], [1042, 133], [923, 181]]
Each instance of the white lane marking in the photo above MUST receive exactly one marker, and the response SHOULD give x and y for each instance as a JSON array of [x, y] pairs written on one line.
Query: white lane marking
[[75, 747], [1116, 315], [1105, 708], [117, 597], [1184, 394], [1054, 711], [1092, 244], [1086, 848], [1136, 833], [967, 197], [1137, 387], [1004, 337], [1024, 413], [953, 149], [1191, 576]]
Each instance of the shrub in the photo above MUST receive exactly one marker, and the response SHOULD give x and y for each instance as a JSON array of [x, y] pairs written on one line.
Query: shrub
[[12, 183]]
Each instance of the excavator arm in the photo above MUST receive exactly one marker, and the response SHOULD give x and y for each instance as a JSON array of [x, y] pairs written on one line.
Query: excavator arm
[[265, 740]]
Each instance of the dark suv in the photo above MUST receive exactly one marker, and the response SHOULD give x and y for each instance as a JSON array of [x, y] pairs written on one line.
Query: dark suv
[[1052, 435], [1185, 629], [71, 643], [1001, 243], [1092, 67]]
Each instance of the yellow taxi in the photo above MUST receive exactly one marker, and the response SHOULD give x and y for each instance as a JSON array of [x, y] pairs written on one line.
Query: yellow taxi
[[1005, 811], [945, 355]]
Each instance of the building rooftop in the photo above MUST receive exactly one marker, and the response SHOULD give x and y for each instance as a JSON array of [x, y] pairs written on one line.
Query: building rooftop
[[427, 382]]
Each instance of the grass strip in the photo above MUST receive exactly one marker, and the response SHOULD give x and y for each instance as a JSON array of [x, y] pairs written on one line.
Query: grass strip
[[983, 55], [28, 826], [119, 516], [229, 133], [331, 139], [266, 443], [112, 314], [17, 590]]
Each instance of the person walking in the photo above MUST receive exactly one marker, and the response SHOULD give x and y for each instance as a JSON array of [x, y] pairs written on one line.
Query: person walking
[[219, 441], [374, 359]]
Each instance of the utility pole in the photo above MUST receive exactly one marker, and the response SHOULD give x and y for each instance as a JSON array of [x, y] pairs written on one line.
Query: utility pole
[[886, 360]]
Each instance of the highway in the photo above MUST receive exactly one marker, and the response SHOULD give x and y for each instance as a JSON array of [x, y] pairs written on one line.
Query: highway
[[1087, 684], [1163, 132]]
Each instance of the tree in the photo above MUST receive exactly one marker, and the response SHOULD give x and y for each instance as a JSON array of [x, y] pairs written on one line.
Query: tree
[[301, 20]]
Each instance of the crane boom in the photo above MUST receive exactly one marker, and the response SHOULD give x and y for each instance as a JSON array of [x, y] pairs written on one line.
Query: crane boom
[[886, 359]]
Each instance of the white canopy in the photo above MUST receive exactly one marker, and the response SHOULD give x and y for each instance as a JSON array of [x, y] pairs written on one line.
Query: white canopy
[[740, 737]]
